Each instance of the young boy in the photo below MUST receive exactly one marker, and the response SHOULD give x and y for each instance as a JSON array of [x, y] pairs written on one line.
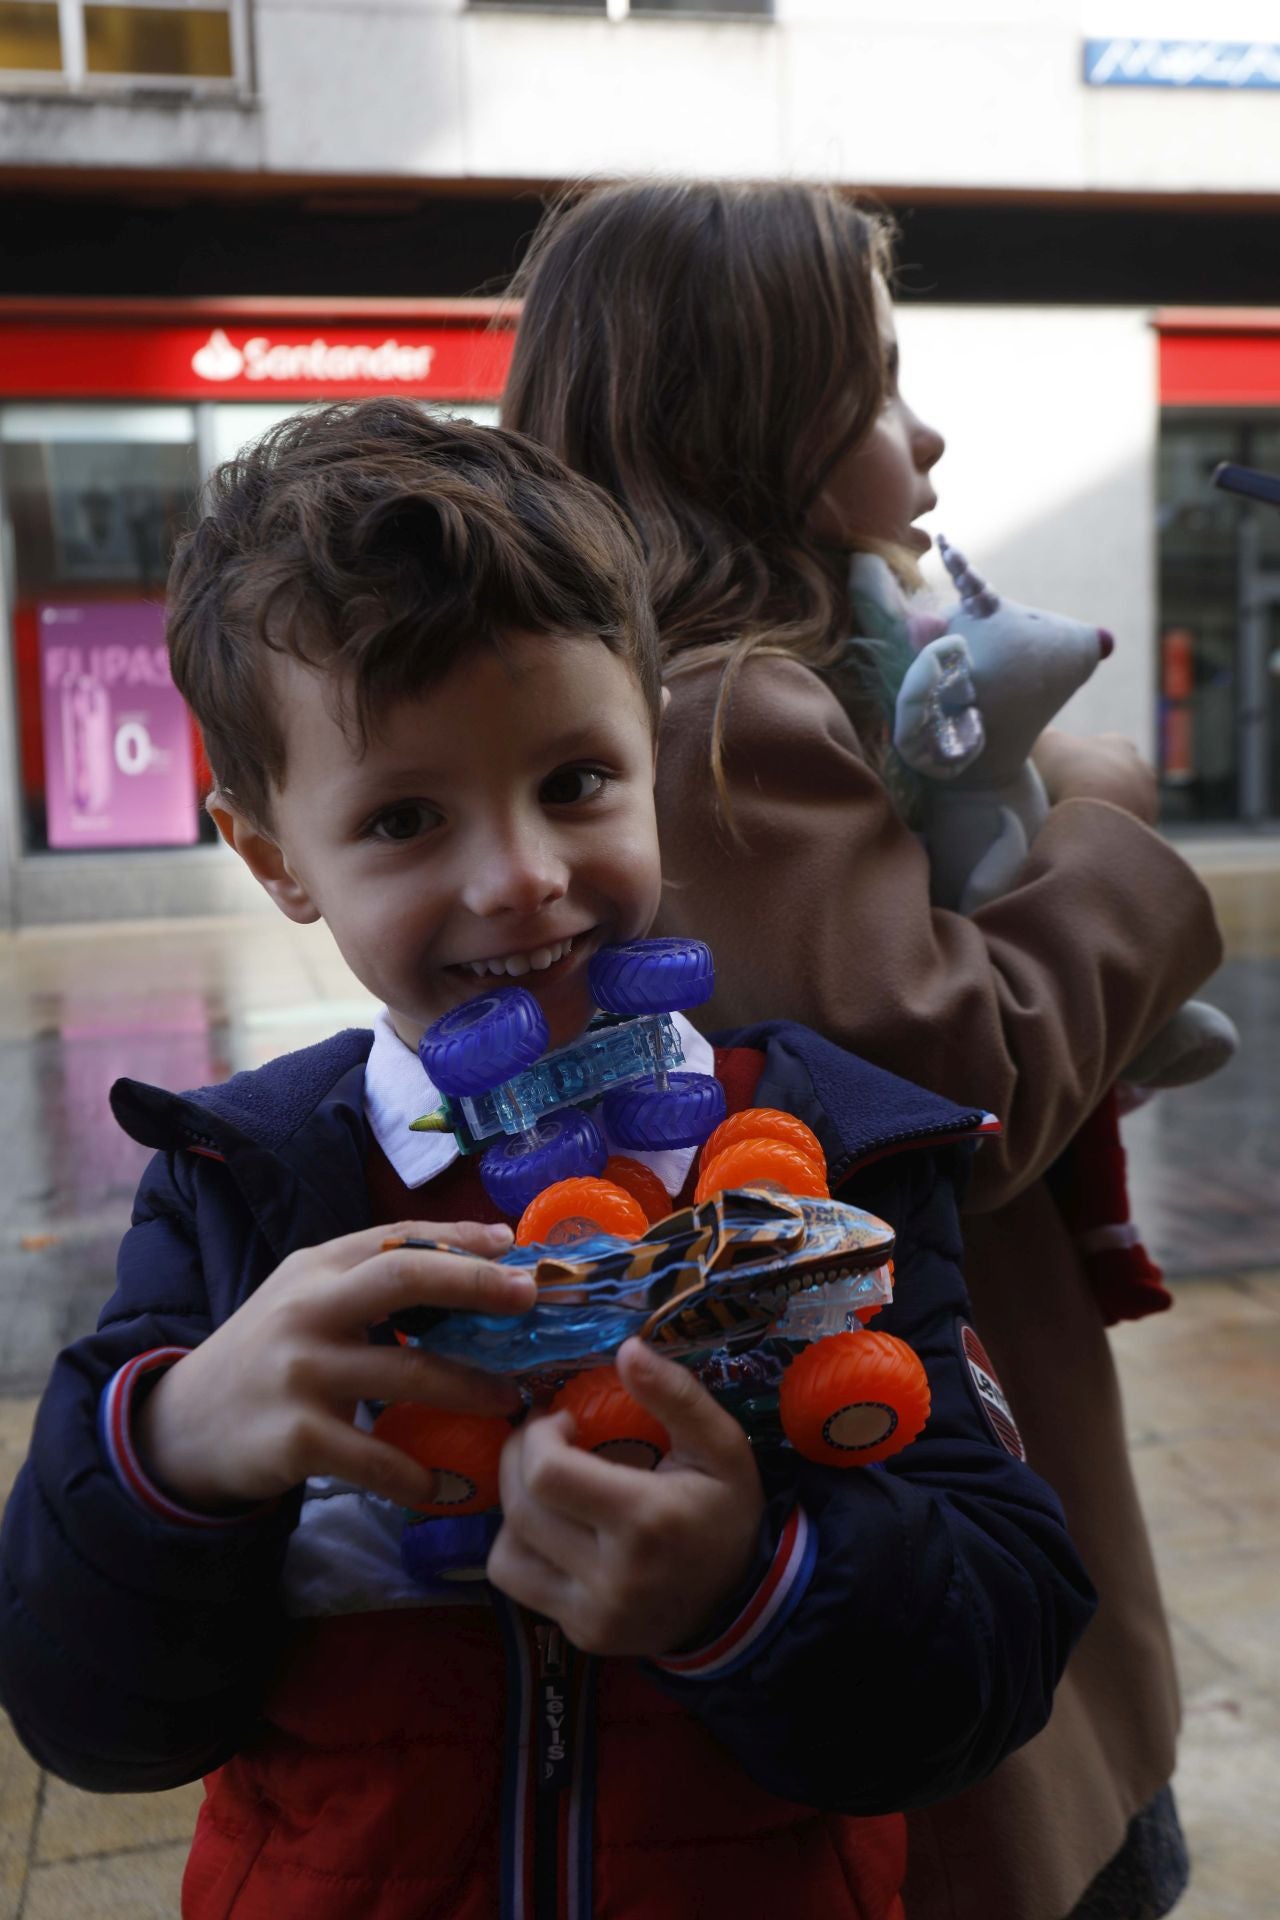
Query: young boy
[[426, 672]]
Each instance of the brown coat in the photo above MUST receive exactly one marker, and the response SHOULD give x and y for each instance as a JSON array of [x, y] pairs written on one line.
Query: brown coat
[[819, 912]]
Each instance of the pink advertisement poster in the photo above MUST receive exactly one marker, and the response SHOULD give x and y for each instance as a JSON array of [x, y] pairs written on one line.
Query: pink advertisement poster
[[117, 738]]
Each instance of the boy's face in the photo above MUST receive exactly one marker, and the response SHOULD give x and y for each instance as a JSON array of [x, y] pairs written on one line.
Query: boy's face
[[498, 829]]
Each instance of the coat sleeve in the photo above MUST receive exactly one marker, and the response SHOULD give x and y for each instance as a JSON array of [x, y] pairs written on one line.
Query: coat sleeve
[[814, 897], [941, 1598], [133, 1650]]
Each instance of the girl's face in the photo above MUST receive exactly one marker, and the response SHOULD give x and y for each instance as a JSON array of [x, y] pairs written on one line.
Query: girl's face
[[878, 490]]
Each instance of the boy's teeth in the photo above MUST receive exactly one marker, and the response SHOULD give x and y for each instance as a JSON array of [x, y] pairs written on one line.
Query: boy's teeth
[[513, 966]]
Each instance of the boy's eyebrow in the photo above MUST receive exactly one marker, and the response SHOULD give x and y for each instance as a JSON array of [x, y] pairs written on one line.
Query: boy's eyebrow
[[593, 736], [563, 746]]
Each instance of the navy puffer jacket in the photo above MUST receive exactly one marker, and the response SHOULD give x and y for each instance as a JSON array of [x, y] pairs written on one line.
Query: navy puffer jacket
[[925, 1624]]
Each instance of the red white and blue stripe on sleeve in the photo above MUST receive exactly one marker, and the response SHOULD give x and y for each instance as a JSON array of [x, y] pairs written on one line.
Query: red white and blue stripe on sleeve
[[115, 1424], [765, 1614]]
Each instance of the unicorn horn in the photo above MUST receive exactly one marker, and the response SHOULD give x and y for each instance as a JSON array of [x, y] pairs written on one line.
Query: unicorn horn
[[976, 596]]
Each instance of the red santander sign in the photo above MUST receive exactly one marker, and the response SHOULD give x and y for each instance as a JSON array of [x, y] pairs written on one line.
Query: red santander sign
[[259, 361]]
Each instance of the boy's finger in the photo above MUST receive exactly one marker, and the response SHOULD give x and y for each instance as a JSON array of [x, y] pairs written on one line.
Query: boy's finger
[[566, 1543], [386, 1283], [522, 1573], [358, 1458], [407, 1373], [702, 1433], [473, 1236], [568, 1481]]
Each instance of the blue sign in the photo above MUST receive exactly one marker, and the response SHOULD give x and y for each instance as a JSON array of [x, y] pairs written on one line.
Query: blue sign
[[1182, 63]]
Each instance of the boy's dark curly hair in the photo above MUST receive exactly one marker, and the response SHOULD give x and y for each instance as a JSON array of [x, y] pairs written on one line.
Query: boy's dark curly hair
[[379, 545]]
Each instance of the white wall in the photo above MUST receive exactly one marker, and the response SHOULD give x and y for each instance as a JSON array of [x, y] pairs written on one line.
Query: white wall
[[907, 93], [982, 93], [1048, 481]]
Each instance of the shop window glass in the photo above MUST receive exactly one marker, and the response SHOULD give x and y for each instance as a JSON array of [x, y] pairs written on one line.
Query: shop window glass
[[166, 41], [30, 41], [94, 499], [1218, 656]]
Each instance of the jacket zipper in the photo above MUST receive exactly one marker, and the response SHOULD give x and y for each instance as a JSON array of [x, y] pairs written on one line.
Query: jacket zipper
[[548, 1771]]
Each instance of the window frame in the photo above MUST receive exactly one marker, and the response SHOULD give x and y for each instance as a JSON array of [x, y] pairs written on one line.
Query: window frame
[[75, 77], [615, 11]]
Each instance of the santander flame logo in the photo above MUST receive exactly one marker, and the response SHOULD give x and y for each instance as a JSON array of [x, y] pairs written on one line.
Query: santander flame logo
[[217, 359], [389, 363]]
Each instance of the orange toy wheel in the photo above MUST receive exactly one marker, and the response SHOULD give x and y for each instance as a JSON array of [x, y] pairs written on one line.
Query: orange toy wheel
[[853, 1398], [763, 1123], [572, 1209], [641, 1182], [747, 1162], [461, 1449], [609, 1422]]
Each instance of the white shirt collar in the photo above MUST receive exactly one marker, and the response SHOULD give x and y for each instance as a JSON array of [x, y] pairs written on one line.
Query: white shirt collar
[[397, 1090]]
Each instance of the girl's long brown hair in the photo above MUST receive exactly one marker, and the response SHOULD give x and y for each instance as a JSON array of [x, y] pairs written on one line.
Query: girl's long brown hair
[[708, 351]]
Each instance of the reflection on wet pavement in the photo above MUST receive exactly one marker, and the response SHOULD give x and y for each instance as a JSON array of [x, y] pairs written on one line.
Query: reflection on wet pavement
[[1204, 1162], [183, 1004], [186, 1004], [177, 1005]]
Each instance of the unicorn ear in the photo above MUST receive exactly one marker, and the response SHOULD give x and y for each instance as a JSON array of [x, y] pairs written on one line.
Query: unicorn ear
[[976, 597]]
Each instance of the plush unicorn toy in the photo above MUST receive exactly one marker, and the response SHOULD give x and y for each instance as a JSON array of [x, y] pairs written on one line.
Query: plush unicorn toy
[[985, 683]]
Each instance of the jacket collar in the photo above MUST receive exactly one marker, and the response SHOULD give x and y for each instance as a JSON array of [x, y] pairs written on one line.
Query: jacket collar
[[292, 1134], [858, 1111]]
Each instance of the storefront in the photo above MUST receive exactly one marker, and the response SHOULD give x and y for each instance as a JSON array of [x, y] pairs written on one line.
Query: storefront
[[1218, 661], [111, 417]]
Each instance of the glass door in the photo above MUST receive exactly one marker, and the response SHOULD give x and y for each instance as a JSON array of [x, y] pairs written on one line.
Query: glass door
[[93, 498], [1218, 655]]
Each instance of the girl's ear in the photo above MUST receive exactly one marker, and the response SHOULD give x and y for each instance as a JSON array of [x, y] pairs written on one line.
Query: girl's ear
[[663, 704], [264, 857]]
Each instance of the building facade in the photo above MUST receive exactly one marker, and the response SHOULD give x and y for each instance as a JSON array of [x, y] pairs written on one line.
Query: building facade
[[217, 210]]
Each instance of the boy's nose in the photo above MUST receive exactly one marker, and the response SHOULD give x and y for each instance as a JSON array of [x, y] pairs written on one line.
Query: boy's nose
[[519, 878]]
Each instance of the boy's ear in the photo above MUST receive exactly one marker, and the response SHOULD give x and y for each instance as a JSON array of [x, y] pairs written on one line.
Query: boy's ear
[[264, 858]]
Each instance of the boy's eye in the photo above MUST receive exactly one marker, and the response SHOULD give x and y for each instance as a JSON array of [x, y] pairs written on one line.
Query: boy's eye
[[569, 785], [404, 821]]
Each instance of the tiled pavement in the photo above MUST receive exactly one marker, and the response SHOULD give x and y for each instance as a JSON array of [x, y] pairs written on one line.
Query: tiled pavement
[[186, 1004]]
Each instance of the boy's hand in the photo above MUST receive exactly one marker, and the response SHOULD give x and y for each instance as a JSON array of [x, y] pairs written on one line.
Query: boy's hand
[[270, 1397], [629, 1562], [1103, 766]]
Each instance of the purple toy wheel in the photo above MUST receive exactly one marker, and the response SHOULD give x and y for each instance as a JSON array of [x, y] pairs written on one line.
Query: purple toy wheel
[[652, 976], [560, 1146], [681, 1114], [484, 1042], [448, 1552]]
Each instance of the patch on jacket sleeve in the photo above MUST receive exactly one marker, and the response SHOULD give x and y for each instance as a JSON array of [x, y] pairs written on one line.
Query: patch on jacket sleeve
[[990, 1394]]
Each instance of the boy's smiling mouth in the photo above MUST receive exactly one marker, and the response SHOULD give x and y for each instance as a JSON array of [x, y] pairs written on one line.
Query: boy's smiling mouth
[[514, 966]]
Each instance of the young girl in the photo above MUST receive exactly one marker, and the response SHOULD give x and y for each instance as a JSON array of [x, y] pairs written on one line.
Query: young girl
[[723, 359]]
